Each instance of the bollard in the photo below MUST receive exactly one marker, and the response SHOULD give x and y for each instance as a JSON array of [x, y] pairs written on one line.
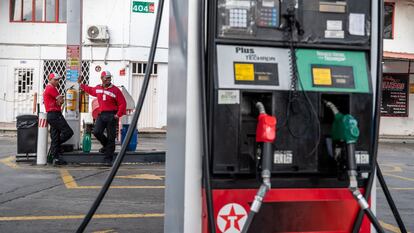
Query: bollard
[[42, 140]]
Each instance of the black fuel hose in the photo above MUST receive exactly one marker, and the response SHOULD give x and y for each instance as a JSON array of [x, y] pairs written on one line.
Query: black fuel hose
[[133, 124], [353, 188], [249, 221], [376, 118], [365, 207], [390, 201], [205, 143], [374, 220]]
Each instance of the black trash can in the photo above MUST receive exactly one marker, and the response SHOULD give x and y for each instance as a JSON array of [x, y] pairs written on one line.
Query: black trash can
[[26, 134]]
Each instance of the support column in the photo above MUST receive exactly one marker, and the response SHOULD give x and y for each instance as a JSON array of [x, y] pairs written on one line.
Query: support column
[[183, 160], [73, 67]]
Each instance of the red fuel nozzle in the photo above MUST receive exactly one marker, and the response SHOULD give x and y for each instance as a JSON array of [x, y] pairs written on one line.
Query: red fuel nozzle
[[266, 128]]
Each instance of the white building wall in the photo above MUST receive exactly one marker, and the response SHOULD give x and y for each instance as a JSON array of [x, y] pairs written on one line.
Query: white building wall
[[399, 125], [130, 40], [7, 88], [29, 33], [403, 30], [403, 43]]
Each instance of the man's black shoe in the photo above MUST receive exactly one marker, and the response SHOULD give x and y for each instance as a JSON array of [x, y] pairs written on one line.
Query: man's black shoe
[[57, 162], [102, 150]]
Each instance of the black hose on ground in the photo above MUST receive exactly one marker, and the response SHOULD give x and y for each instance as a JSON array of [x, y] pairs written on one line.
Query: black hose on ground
[[133, 124], [390, 201]]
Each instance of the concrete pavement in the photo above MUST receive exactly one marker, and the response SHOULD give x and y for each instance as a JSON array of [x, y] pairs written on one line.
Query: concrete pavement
[[54, 199]]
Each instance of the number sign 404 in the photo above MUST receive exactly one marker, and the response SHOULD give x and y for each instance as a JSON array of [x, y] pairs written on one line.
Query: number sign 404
[[143, 7]]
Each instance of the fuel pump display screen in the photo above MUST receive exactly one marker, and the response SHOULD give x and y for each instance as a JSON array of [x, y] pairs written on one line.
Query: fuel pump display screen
[[256, 73], [333, 76]]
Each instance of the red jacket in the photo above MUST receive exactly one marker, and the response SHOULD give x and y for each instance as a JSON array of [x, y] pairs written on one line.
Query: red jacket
[[109, 99], [49, 98]]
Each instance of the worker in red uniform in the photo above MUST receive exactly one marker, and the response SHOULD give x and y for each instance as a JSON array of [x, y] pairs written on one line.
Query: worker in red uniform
[[112, 106], [60, 131]]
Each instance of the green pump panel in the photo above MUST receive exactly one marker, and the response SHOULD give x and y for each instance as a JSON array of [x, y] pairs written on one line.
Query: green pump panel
[[333, 71]]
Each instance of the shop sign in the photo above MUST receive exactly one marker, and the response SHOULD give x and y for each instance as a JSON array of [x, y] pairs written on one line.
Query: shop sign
[[73, 62], [395, 95]]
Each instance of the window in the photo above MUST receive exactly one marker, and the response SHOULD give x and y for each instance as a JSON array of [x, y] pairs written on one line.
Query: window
[[52, 11], [24, 80], [62, 11], [140, 67], [389, 20]]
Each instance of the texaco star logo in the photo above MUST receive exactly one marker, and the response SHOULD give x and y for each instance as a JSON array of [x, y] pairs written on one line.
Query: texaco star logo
[[231, 218]]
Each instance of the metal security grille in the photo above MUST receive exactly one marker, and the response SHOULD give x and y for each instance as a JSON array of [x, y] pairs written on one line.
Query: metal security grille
[[59, 67], [23, 95], [24, 80], [140, 67]]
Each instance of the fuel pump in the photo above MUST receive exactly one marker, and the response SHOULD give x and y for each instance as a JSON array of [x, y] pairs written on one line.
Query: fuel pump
[[274, 52]]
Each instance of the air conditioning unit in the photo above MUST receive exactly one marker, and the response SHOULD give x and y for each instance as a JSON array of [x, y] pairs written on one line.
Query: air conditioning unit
[[97, 33]]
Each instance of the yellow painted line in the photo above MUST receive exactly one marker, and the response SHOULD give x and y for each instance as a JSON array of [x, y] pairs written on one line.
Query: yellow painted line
[[390, 227], [141, 176], [106, 231], [394, 168], [391, 164], [91, 168], [399, 177], [70, 183], [402, 189], [9, 161], [65, 217], [68, 180]]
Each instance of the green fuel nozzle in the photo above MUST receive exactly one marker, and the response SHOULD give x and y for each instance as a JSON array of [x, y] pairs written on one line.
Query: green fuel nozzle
[[345, 130], [345, 127]]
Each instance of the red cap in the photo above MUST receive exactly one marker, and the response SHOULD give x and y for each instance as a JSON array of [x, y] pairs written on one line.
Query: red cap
[[53, 76], [106, 74]]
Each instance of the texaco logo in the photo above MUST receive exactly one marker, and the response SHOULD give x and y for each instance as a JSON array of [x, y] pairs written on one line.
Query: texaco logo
[[231, 218]]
